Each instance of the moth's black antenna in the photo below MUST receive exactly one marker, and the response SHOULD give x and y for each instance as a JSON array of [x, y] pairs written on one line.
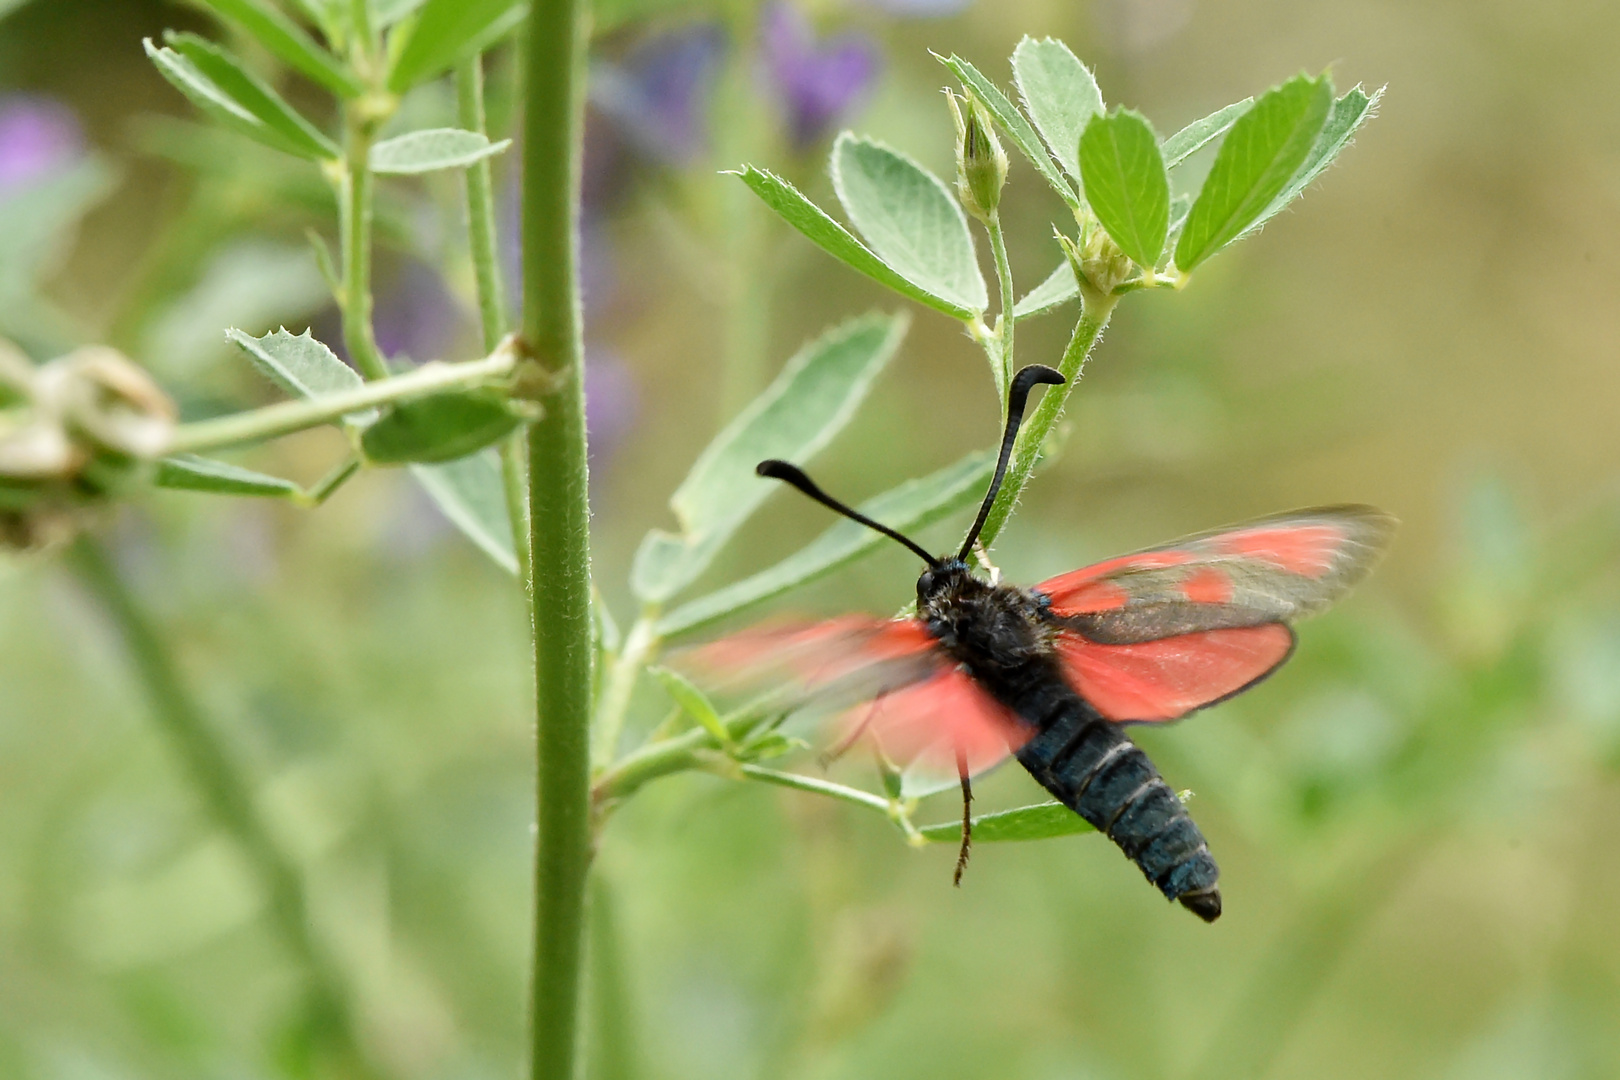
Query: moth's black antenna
[[1017, 398], [792, 474]]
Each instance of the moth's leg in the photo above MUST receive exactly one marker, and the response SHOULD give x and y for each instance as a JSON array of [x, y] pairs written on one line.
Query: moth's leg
[[841, 747], [967, 815]]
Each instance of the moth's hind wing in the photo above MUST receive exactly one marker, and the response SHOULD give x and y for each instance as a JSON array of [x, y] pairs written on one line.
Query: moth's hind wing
[[926, 725], [1156, 635], [1154, 681]]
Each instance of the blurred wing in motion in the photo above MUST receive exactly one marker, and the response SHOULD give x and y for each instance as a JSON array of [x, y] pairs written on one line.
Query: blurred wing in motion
[[837, 663], [886, 677], [1159, 634]]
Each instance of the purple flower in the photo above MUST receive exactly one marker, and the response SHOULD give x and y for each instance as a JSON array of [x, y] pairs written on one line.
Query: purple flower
[[920, 9], [817, 84], [658, 93], [37, 136]]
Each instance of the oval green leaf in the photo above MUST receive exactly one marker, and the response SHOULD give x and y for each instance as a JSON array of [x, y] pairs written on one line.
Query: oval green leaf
[[1262, 152], [444, 32], [1200, 133], [909, 220], [799, 413], [1348, 114], [431, 150], [1058, 288], [470, 492], [188, 472], [287, 39], [1039, 822], [438, 429], [1126, 183], [1059, 94], [301, 366], [218, 85], [836, 240]]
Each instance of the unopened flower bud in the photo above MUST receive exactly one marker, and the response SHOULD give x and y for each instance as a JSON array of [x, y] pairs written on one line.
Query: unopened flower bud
[[981, 163], [1097, 261]]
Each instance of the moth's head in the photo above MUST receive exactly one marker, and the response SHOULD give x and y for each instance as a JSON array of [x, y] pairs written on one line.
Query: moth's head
[[944, 582]]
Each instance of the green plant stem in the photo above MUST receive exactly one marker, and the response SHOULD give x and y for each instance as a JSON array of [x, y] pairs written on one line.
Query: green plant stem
[[481, 230], [285, 417], [676, 754], [1004, 324], [559, 527], [354, 211], [483, 244], [1095, 310], [820, 787], [226, 791], [621, 684]]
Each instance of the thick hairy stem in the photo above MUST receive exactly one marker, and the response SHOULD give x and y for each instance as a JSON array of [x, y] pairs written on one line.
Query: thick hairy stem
[[559, 527], [1094, 314], [226, 793]]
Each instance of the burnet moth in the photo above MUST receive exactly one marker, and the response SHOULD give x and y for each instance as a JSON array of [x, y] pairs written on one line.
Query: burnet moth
[[1053, 674]]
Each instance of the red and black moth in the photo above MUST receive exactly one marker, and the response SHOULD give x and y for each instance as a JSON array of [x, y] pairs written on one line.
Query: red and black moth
[[1053, 674]]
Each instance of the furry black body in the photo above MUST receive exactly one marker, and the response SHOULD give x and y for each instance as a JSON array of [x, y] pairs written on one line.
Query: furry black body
[[1005, 638]]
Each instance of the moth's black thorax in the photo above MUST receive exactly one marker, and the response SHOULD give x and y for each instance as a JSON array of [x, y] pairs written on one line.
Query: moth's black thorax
[[1000, 633]]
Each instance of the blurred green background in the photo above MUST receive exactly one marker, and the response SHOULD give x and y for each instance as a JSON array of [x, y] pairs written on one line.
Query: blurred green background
[[1418, 820]]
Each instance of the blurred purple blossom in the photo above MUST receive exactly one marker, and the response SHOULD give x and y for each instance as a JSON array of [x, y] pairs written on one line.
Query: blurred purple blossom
[[657, 94], [920, 9], [611, 400], [37, 135], [817, 83], [415, 316]]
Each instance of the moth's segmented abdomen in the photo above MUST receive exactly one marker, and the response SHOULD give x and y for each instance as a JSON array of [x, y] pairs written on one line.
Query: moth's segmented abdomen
[[1093, 768]]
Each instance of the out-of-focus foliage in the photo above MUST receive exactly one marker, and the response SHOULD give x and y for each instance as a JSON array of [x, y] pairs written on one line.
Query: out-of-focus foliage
[[1416, 819]]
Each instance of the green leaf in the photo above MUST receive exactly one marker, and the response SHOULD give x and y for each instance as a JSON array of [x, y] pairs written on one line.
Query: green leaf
[[1262, 152], [694, 702], [799, 413], [444, 31], [287, 39], [188, 472], [913, 505], [1348, 114], [1200, 133], [1013, 124], [218, 85], [300, 365], [1057, 289], [1038, 822], [471, 493], [908, 219], [438, 429], [1126, 183], [436, 148], [1059, 94], [837, 241]]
